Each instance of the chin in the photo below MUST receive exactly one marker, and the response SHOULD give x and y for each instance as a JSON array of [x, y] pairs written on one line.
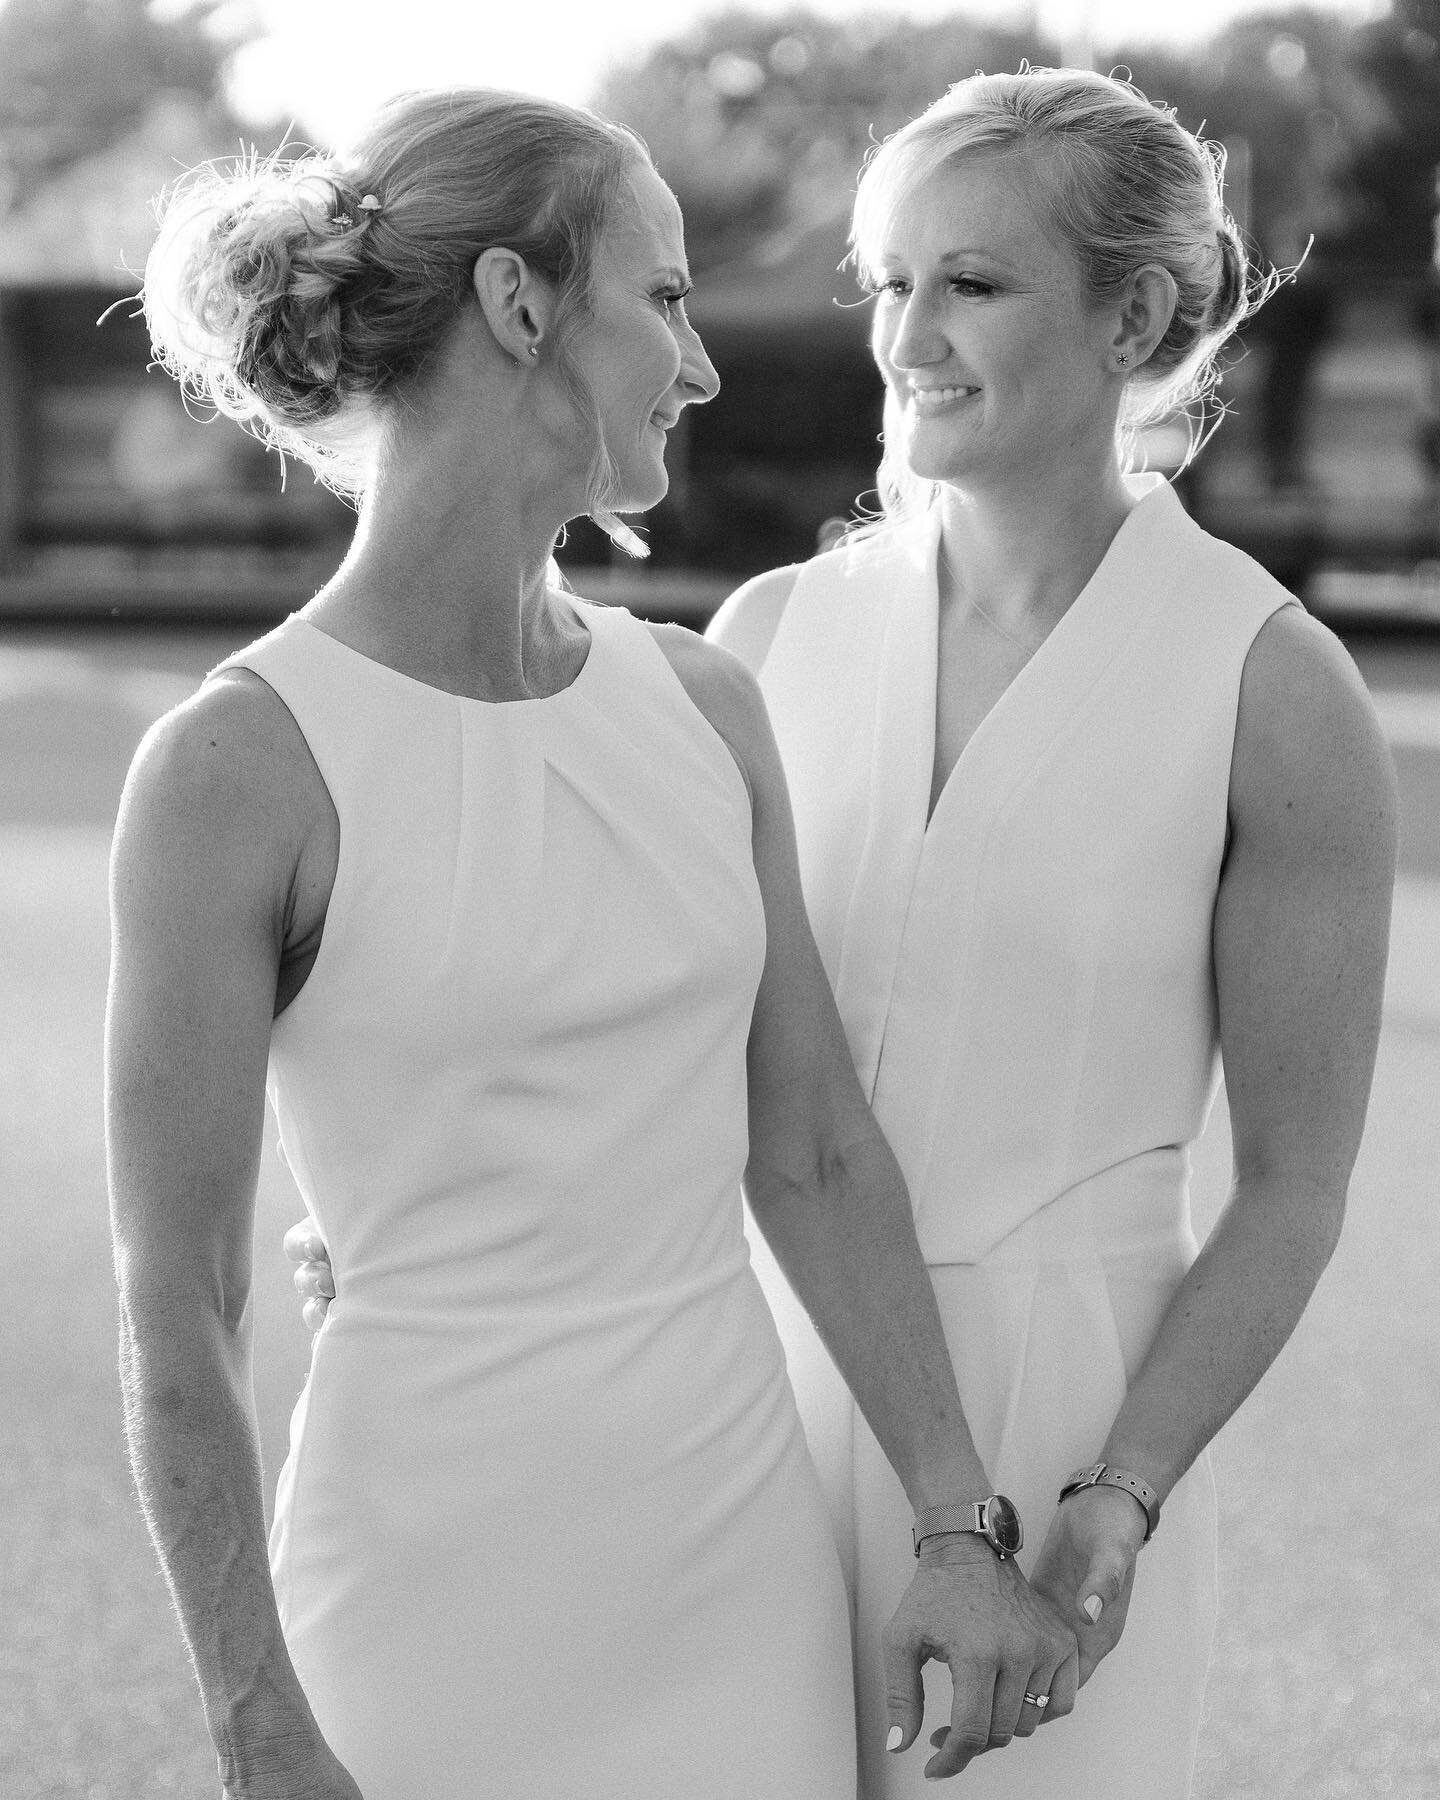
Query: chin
[[935, 467], [956, 464], [929, 457], [642, 489]]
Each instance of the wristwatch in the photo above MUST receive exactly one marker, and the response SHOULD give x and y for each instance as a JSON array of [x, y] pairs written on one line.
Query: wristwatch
[[1102, 1475], [995, 1519]]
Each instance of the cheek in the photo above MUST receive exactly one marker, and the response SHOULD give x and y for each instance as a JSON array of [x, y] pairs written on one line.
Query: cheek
[[1066, 380], [653, 369], [882, 336], [674, 357]]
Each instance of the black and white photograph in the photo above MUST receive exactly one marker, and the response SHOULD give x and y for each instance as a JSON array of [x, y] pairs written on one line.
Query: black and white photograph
[[719, 900]]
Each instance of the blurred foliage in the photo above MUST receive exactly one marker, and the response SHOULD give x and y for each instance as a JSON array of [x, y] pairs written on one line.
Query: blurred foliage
[[1398, 168], [1340, 129], [761, 123], [1281, 92], [76, 76]]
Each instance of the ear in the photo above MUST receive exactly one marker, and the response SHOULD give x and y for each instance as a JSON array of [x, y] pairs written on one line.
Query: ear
[[518, 304], [1146, 307]]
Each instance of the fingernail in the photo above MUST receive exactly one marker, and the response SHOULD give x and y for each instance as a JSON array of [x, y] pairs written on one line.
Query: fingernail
[[893, 1741], [1093, 1605]]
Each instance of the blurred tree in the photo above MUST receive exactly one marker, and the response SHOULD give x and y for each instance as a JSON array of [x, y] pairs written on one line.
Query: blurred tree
[[78, 75], [1342, 127], [1398, 169], [760, 122], [1280, 90]]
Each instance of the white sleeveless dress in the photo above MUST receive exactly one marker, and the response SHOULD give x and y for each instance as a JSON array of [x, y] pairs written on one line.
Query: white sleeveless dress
[[1027, 984], [548, 1527]]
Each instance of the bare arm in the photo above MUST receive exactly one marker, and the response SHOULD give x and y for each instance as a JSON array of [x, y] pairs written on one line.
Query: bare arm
[[202, 890], [1300, 938], [825, 1189]]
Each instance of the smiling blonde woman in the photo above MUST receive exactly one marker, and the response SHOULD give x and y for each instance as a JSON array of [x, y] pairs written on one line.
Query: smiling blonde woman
[[1085, 804]]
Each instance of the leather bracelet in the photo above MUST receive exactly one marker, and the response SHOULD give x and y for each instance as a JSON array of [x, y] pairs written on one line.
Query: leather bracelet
[[1102, 1475]]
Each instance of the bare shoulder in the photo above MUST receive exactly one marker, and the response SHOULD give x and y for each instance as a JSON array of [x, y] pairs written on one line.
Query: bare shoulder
[[1307, 735], [222, 790], [715, 678], [746, 624]]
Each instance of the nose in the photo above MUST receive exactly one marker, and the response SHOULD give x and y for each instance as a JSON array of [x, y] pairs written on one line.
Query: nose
[[907, 335], [698, 380]]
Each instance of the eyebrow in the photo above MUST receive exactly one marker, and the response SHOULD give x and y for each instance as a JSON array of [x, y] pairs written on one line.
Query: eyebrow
[[951, 257]]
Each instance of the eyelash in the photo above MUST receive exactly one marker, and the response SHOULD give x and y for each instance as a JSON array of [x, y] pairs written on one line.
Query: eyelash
[[670, 300], [969, 286]]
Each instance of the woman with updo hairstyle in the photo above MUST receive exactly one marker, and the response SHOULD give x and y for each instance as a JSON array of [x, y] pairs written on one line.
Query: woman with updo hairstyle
[[1085, 804], [495, 892], [288, 297]]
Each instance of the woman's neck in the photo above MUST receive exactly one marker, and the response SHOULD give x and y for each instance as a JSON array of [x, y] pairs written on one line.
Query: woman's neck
[[448, 575], [1025, 556]]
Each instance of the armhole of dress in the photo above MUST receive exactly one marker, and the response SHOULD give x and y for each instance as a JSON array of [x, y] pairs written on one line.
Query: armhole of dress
[[328, 924]]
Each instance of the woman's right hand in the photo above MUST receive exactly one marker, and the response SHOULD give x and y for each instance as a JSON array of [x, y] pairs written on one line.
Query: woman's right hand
[[314, 1278]]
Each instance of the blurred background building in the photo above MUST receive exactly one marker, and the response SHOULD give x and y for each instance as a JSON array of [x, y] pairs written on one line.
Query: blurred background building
[[114, 501]]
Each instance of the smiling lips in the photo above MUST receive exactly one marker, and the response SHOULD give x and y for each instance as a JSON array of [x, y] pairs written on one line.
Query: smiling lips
[[927, 398]]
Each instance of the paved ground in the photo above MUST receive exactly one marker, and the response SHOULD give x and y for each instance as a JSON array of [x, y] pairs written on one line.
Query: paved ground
[[1326, 1682]]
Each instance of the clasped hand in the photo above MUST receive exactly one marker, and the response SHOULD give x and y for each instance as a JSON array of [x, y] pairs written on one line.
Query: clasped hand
[[1089, 1554], [968, 1608]]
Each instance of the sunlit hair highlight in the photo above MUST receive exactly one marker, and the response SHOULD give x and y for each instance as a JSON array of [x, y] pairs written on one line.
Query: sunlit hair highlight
[[274, 296], [1120, 181]]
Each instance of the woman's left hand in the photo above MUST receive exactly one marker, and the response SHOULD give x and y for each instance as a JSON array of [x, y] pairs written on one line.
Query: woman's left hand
[[1088, 1555]]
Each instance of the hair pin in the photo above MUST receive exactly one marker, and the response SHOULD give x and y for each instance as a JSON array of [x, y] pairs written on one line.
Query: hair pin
[[369, 204]]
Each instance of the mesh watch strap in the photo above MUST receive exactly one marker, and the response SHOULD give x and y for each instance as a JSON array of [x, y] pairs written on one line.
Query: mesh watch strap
[[959, 1516], [995, 1519]]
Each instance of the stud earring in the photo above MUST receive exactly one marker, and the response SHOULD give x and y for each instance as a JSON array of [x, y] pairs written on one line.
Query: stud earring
[[534, 349], [1122, 359]]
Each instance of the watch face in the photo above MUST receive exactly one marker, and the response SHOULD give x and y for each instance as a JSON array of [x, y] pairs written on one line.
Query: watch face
[[1003, 1526]]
